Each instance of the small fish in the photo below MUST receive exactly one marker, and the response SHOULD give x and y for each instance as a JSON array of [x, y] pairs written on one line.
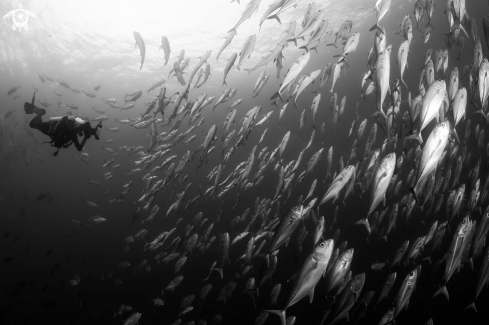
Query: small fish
[[165, 46], [142, 46], [13, 90]]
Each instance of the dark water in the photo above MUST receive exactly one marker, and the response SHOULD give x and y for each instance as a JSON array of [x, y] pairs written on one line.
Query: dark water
[[41, 249]]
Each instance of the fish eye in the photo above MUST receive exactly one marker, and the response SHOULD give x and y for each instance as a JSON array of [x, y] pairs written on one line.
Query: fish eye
[[411, 274], [321, 245]]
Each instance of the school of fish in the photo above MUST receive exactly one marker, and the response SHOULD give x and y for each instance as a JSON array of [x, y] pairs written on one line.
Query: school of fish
[[416, 170]]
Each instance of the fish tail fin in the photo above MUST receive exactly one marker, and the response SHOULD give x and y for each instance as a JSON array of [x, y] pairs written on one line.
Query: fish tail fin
[[413, 192], [428, 259], [275, 17], [472, 305], [277, 94], [304, 48], [471, 263], [224, 83], [442, 290], [376, 26], [219, 270], [480, 111], [365, 223], [248, 70], [429, 24], [279, 313], [266, 257], [415, 137], [207, 277], [405, 84]]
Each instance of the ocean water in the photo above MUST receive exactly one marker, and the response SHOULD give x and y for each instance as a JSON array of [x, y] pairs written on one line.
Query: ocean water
[[92, 44]]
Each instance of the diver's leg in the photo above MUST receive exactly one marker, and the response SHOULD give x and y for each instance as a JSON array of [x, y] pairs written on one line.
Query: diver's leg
[[38, 124]]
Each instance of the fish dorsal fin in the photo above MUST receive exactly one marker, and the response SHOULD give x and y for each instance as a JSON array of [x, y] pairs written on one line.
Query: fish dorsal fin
[[311, 295], [293, 277], [287, 242]]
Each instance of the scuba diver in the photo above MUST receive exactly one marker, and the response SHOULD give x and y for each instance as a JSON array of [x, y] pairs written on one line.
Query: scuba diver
[[63, 130]]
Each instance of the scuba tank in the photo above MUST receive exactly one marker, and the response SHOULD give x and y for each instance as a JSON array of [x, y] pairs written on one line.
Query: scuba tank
[[78, 121], [68, 119]]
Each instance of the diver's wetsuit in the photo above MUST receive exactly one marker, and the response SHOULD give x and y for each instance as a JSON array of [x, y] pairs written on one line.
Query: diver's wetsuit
[[38, 124], [63, 132]]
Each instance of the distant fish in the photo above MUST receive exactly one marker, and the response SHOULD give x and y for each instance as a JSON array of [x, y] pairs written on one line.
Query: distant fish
[[247, 50], [250, 9], [142, 46], [199, 64], [41, 197], [402, 59], [310, 273], [41, 76], [342, 33], [156, 85], [135, 97], [228, 40], [295, 69], [60, 82], [228, 67], [350, 45], [8, 114], [288, 4], [165, 46], [13, 90], [430, 10], [381, 8], [271, 8]]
